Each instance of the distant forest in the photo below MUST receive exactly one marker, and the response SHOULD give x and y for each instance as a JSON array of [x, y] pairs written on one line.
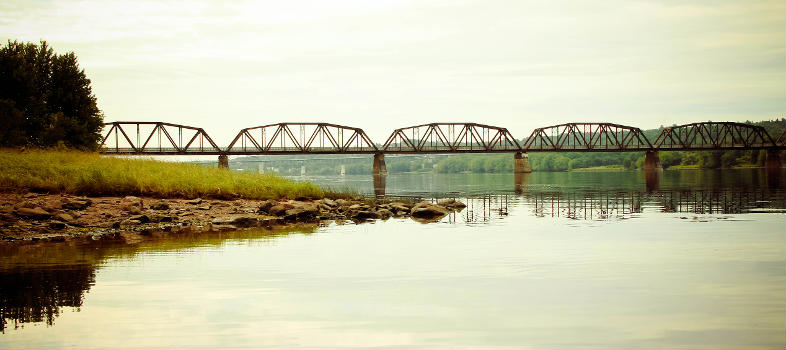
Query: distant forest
[[503, 163]]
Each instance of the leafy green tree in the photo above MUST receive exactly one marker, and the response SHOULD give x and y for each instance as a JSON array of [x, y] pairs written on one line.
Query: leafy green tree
[[46, 99]]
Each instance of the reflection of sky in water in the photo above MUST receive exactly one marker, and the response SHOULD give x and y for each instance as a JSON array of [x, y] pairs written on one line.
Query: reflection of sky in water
[[648, 279]]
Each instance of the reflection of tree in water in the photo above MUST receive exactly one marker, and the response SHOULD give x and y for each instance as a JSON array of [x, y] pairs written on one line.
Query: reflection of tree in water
[[38, 294], [38, 280]]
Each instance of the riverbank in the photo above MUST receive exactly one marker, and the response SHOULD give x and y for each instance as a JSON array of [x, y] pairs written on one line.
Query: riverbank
[[61, 195], [60, 217]]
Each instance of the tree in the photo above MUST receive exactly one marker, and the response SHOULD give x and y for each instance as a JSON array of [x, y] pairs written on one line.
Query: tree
[[46, 99]]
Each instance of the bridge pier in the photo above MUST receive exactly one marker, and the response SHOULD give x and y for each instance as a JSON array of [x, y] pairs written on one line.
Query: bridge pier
[[379, 184], [652, 161], [773, 160], [521, 163], [379, 167], [223, 161]]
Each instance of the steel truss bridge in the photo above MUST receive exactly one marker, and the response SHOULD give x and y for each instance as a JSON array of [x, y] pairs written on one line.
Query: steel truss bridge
[[159, 138]]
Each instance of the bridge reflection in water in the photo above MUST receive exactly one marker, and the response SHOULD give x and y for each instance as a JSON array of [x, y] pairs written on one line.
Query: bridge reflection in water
[[612, 205]]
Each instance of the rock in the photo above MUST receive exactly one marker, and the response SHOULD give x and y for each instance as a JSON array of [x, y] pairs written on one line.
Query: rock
[[280, 209], [342, 202], [329, 202], [63, 217], [129, 222], [6, 217], [325, 208], [265, 206], [358, 207], [384, 214], [204, 207], [427, 210], [363, 215], [160, 205], [304, 212], [459, 205], [240, 221], [34, 213], [195, 201], [245, 221], [77, 204], [56, 225], [141, 218], [131, 204]]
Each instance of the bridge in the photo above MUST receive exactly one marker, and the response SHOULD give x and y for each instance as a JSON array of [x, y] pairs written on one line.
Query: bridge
[[160, 138]]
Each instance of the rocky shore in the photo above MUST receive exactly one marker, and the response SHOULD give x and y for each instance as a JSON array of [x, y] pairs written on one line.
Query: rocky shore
[[59, 217]]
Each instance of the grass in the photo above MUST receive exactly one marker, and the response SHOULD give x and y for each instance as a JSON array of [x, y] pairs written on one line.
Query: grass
[[90, 174]]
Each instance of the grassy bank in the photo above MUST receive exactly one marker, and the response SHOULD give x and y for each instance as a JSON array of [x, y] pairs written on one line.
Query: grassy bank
[[91, 174]]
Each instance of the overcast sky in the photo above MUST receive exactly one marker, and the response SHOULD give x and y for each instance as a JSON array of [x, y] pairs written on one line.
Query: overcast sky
[[381, 65]]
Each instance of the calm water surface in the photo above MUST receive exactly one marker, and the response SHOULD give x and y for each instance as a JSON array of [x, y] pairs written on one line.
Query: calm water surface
[[553, 260]]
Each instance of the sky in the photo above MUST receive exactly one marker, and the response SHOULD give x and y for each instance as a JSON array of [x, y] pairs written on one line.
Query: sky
[[381, 65]]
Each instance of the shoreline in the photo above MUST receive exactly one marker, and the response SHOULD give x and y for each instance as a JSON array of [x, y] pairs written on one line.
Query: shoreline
[[39, 217]]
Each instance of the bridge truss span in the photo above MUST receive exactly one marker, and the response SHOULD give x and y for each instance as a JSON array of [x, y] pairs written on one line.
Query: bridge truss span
[[286, 138], [587, 137], [156, 138], [451, 138], [714, 135]]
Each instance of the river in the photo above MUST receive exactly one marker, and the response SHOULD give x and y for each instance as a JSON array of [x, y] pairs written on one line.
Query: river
[[612, 260]]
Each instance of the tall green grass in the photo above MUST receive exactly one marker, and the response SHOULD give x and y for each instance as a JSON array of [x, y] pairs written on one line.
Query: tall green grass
[[92, 174]]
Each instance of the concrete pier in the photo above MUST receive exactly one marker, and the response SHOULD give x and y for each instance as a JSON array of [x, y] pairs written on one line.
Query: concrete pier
[[223, 161], [379, 165], [379, 184], [652, 161], [521, 163]]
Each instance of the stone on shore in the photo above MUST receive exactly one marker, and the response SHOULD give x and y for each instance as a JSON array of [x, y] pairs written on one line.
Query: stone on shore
[[132, 205], [160, 205], [63, 217], [280, 209], [33, 213], [266, 205], [76, 204]]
